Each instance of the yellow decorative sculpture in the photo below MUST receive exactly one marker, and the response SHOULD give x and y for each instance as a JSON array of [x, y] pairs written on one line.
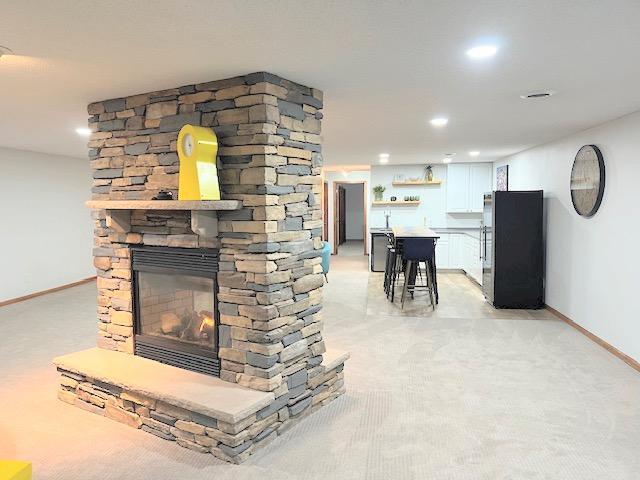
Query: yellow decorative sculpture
[[197, 150], [14, 470]]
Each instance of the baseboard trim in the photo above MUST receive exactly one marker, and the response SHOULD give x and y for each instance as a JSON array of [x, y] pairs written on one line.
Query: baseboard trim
[[44, 292], [607, 346]]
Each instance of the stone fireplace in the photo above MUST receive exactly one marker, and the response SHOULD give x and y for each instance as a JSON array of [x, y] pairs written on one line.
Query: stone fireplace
[[209, 312]]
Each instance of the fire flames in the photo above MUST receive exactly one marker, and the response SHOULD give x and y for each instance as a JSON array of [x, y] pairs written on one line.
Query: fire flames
[[207, 322]]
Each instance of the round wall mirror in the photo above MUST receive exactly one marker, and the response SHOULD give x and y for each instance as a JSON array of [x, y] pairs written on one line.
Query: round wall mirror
[[587, 180]]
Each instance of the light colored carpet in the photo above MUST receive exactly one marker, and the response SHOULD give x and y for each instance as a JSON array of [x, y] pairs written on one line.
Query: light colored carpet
[[462, 393], [351, 248]]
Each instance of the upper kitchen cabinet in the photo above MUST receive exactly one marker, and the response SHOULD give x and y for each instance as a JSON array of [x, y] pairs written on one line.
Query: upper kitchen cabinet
[[466, 184]]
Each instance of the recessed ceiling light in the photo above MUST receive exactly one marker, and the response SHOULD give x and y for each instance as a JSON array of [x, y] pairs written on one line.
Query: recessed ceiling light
[[5, 51], [474, 153], [84, 131], [482, 51], [446, 160], [538, 94], [439, 121], [383, 158]]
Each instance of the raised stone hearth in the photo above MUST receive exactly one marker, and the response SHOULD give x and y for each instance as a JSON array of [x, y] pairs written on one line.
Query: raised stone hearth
[[199, 412], [263, 243]]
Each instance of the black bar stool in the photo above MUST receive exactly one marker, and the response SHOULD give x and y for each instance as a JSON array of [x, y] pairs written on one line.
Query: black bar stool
[[416, 251], [389, 265], [396, 263]]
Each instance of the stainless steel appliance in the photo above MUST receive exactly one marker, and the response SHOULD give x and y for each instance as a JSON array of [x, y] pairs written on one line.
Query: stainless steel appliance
[[379, 242], [512, 249]]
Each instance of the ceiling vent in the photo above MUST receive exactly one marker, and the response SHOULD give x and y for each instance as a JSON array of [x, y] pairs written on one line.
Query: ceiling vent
[[538, 94]]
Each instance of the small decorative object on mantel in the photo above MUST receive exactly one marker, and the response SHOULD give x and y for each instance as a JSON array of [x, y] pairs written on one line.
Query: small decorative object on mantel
[[502, 178], [163, 195], [378, 190], [587, 180], [428, 173], [197, 150]]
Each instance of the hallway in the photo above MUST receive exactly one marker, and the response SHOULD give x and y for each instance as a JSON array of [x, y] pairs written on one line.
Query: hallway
[[351, 248]]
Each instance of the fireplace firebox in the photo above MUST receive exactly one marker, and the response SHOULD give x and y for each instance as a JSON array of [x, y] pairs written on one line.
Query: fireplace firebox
[[175, 306]]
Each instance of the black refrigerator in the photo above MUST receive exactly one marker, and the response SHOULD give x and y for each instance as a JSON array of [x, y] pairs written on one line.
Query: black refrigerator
[[512, 249]]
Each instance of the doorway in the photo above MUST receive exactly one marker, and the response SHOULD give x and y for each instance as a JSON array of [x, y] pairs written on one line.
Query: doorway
[[350, 218]]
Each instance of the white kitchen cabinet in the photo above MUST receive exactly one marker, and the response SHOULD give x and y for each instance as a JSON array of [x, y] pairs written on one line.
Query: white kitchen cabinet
[[443, 251], [455, 250], [480, 175], [460, 250], [471, 255], [457, 188], [466, 184]]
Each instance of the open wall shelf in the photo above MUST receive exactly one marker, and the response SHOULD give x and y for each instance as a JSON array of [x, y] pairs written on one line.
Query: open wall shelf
[[397, 202], [416, 182]]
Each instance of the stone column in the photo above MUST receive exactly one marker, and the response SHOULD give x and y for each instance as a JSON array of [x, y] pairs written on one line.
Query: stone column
[[270, 280]]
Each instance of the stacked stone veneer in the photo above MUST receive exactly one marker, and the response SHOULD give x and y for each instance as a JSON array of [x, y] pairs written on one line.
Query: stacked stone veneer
[[270, 281], [229, 441]]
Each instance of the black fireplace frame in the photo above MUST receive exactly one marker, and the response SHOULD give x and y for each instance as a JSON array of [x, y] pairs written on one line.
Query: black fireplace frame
[[200, 262]]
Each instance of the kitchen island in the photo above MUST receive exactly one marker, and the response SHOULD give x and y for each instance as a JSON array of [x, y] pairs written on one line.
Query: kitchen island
[[414, 232]]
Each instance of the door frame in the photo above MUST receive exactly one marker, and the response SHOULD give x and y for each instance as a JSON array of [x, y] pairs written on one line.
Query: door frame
[[365, 192]]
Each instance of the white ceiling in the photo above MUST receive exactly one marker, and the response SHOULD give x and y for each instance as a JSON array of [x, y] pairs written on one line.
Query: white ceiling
[[386, 67]]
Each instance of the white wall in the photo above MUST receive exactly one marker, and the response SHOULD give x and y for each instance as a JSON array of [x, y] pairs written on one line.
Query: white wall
[[432, 208], [45, 229], [354, 211], [592, 265], [433, 199]]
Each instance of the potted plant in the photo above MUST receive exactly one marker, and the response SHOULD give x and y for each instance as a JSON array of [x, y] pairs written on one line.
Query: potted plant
[[378, 190]]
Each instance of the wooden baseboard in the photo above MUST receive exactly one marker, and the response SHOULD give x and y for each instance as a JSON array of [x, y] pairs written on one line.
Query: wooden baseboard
[[607, 346], [44, 292]]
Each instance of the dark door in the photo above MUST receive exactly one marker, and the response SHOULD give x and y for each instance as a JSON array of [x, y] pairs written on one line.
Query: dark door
[[325, 211], [342, 226]]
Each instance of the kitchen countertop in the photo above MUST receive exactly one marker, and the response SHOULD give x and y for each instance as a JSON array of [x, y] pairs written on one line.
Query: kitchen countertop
[[471, 232], [414, 232]]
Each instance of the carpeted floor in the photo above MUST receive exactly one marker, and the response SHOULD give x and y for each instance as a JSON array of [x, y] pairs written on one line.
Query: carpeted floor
[[352, 248], [464, 392]]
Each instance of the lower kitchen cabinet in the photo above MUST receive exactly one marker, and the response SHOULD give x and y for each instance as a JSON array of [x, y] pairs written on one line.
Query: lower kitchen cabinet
[[471, 254], [443, 251], [460, 250]]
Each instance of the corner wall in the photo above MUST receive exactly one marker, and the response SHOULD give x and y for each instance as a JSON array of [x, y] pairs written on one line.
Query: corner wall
[[355, 211], [591, 264], [46, 231]]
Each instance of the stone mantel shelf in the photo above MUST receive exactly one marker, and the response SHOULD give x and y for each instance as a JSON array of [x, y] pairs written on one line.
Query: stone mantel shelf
[[204, 217], [193, 205]]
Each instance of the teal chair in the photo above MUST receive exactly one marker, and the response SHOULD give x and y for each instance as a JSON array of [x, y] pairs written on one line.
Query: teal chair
[[326, 256]]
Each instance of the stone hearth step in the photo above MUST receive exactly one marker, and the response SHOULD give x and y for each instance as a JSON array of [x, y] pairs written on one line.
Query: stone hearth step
[[333, 358], [192, 391], [197, 411]]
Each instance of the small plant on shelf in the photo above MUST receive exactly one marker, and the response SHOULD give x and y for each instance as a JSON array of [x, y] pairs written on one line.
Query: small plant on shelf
[[378, 190], [428, 173]]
